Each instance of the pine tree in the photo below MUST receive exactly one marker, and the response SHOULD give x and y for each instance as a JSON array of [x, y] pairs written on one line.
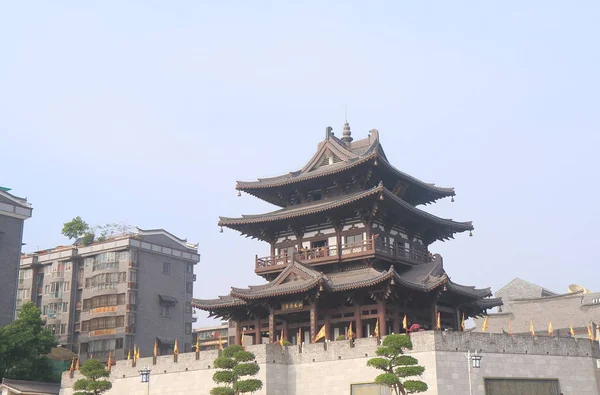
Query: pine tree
[[397, 366], [93, 370], [235, 363]]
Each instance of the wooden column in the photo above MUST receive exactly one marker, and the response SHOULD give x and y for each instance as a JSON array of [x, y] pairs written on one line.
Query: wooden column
[[238, 333], [271, 326], [286, 335], [313, 322], [328, 327], [434, 312], [458, 320], [381, 316], [396, 327], [358, 319], [257, 337]]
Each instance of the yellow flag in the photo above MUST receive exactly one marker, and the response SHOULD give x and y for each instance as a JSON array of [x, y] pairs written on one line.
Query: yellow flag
[[377, 329], [155, 351], [197, 343], [550, 329], [220, 343], [242, 340], [571, 330], [438, 325], [405, 323], [484, 327], [128, 355], [281, 338], [462, 322], [531, 330], [597, 333], [590, 333], [299, 335], [77, 364], [109, 361], [509, 327], [137, 354], [321, 334], [350, 334], [176, 348]]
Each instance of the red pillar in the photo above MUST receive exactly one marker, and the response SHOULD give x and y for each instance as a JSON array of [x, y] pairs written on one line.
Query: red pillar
[[396, 327], [381, 316], [286, 335], [358, 321], [257, 337], [238, 333]]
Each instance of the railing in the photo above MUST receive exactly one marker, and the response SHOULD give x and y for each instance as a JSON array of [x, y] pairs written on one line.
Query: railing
[[11, 208], [329, 254]]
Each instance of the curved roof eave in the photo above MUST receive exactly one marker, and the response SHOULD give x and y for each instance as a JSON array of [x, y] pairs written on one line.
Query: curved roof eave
[[323, 205]]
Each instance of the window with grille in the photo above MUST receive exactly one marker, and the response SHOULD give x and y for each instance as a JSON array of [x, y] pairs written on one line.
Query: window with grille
[[166, 268]]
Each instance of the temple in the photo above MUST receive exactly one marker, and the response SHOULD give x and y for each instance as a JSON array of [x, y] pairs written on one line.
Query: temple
[[348, 245]]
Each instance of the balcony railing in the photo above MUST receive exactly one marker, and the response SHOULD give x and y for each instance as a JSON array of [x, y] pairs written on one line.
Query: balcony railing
[[346, 252]]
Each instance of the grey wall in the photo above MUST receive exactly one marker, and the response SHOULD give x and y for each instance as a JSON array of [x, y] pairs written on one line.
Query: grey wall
[[11, 236], [152, 281], [316, 371]]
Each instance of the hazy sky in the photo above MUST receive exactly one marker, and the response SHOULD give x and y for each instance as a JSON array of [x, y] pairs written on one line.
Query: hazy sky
[[148, 112]]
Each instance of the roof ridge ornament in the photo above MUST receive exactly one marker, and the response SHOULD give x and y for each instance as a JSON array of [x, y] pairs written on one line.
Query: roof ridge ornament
[[347, 134], [328, 132]]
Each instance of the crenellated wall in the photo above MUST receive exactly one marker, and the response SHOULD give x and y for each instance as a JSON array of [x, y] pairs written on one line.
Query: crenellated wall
[[332, 369]]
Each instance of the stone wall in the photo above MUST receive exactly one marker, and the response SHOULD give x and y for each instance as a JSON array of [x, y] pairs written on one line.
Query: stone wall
[[332, 369]]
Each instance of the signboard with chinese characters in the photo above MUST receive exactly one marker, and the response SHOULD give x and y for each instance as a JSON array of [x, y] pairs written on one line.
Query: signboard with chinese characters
[[292, 305]]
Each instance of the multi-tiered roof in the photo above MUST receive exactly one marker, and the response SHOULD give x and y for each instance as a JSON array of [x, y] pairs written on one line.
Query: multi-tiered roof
[[347, 181]]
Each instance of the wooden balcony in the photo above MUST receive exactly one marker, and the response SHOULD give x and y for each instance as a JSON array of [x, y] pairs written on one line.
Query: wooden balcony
[[371, 248]]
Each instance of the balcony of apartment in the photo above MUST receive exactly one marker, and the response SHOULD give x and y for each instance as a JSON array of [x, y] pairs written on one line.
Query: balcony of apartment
[[371, 248], [53, 296], [13, 210]]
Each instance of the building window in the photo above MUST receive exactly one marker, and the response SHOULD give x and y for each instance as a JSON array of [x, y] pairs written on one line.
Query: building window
[[165, 310], [68, 266], [63, 329], [119, 343], [188, 328], [355, 239], [66, 286], [189, 287], [318, 244], [188, 308], [166, 268], [190, 268]]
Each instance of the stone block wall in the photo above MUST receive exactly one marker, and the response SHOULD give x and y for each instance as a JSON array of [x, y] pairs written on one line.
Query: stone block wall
[[321, 370]]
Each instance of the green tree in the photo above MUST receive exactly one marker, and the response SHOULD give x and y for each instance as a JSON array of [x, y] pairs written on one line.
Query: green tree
[[23, 346], [75, 228], [397, 366], [94, 382], [235, 363]]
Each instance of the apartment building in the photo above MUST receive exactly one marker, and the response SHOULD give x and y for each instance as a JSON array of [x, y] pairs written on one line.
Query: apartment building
[[13, 213], [130, 290]]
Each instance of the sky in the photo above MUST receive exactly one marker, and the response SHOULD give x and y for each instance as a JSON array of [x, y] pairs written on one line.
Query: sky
[[147, 112]]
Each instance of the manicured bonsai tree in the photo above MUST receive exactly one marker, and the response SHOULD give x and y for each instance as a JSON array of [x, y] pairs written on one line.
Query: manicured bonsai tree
[[397, 366], [93, 370], [234, 364]]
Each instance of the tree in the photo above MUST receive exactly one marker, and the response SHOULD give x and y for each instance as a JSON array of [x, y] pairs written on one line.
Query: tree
[[396, 366], [23, 346], [234, 364], [75, 228], [93, 370]]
